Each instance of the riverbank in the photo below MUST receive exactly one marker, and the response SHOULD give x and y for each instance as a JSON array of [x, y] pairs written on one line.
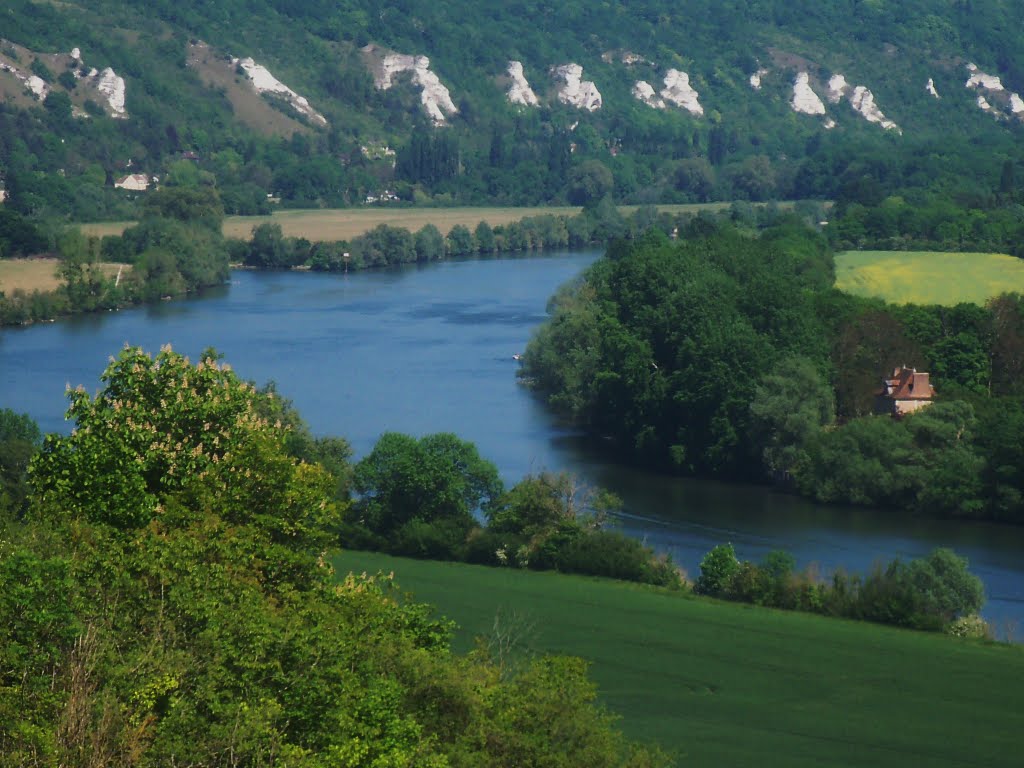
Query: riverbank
[[428, 348], [320, 225], [739, 685]]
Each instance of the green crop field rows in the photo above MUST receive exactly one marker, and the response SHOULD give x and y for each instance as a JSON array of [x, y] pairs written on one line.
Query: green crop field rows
[[923, 277], [732, 685]]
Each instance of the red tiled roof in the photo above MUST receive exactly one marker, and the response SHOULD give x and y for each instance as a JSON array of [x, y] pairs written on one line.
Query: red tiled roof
[[908, 384]]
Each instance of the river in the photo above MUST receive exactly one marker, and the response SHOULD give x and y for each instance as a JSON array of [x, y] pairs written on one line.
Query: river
[[429, 349]]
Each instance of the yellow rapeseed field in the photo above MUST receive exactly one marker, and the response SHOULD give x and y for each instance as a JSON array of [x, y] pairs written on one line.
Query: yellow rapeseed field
[[927, 277]]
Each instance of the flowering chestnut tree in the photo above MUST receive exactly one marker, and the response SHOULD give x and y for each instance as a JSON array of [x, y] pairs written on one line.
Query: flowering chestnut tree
[[163, 430]]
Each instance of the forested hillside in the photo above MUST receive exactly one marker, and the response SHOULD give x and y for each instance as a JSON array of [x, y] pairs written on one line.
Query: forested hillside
[[311, 103]]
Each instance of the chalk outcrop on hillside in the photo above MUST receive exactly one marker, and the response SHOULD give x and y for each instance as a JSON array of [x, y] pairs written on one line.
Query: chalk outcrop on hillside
[[992, 95], [861, 99], [837, 88], [678, 91], [757, 77], [33, 83], [573, 89], [930, 87], [109, 86], [112, 87], [644, 91], [264, 82], [981, 81], [434, 96], [519, 91], [805, 100]]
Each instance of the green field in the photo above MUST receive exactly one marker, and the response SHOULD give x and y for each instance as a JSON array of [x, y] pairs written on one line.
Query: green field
[[733, 685], [924, 277], [344, 224]]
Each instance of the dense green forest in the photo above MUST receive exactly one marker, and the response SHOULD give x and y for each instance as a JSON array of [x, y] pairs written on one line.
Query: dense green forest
[[731, 355]]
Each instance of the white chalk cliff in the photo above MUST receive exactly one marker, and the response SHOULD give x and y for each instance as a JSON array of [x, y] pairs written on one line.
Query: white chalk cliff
[[678, 91], [434, 96], [108, 84], [987, 85], [805, 100], [38, 86], [837, 87], [34, 83], [861, 99], [520, 92], [930, 87], [574, 90], [112, 86], [756, 77], [264, 82], [645, 92], [981, 81]]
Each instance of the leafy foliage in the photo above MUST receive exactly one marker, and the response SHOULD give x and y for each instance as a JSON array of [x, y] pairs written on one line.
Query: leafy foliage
[[661, 346], [19, 441], [730, 355], [167, 601]]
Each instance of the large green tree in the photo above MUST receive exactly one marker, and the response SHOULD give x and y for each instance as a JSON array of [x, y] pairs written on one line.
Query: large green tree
[[407, 484]]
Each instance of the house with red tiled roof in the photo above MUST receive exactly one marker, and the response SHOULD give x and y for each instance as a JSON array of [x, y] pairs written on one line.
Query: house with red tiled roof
[[906, 391]]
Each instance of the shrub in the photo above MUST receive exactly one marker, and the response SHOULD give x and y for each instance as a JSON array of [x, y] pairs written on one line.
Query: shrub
[[617, 556], [438, 540], [483, 547], [972, 626], [717, 570]]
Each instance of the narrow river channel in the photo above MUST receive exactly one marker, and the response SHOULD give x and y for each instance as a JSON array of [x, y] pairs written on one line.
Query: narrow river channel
[[429, 349]]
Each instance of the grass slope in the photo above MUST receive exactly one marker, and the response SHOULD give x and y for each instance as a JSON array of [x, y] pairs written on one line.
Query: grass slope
[[733, 685], [922, 277]]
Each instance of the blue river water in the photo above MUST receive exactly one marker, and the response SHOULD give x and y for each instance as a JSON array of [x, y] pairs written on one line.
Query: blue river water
[[429, 349]]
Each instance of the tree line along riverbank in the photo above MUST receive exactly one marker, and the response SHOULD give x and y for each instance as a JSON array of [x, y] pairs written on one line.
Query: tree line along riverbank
[[179, 247]]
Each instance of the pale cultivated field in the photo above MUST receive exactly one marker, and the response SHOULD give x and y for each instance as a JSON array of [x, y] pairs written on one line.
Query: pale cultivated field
[[344, 224], [925, 277], [37, 274]]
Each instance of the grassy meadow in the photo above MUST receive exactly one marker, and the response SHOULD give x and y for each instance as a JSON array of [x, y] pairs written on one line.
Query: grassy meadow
[[735, 685], [37, 274], [346, 223], [923, 277]]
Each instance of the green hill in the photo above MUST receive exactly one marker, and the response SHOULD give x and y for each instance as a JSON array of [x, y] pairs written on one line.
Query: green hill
[[286, 98], [723, 684]]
